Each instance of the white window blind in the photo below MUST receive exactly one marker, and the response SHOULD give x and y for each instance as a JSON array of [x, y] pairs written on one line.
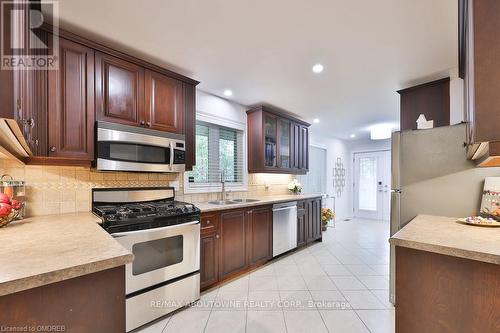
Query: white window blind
[[219, 150]]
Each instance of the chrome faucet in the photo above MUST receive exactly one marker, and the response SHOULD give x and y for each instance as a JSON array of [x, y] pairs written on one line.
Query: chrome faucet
[[223, 182]]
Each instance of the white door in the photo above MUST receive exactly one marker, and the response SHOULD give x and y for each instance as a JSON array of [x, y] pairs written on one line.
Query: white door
[[372, 177]]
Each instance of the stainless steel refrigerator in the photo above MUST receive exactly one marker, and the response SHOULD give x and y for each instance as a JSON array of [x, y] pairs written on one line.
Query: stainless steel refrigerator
[[431, 175]]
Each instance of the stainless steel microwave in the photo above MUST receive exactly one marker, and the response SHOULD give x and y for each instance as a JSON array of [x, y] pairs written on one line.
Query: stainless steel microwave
[[128, 148]]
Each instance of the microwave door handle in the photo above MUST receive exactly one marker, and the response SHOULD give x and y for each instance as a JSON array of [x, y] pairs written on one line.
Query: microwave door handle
[[171, 155]]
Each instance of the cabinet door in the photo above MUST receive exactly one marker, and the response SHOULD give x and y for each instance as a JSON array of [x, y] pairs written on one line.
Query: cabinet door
[[209, 250], [260, 235], [233, 253], [190, 125], [304, 148], [301, 228], [284, 144], [296, 146], [310, 228], [270, 140], [119, 90], [164, 103], [209, 259], [71, 103], [316, 217]]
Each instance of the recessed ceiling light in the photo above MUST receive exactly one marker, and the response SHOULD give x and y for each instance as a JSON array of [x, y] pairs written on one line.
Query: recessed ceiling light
[[228, 93], [316, 120], [381, 131], [318, 68], [352, 136]]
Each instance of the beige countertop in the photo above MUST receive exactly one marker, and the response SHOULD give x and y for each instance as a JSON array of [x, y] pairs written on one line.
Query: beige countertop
[[46, 249], [444, 235], [206, 207]]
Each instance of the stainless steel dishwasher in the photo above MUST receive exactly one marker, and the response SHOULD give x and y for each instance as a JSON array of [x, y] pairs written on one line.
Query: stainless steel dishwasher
[[284, 227]]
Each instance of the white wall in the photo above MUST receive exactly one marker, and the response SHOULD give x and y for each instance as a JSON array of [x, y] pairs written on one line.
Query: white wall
[[213, 106]]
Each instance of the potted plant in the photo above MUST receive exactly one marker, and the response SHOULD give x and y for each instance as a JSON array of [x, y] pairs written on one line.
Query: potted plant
[[326, 216], [295, 187]]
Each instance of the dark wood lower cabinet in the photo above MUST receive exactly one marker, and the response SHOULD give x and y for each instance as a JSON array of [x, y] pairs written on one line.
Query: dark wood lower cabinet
[[260, 235], [89, 303], [233, 241], [233, 247], [437, 293], [308, 221]]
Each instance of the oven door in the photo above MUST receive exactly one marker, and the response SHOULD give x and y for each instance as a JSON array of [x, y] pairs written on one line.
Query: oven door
[[160, 254], [126, 151]]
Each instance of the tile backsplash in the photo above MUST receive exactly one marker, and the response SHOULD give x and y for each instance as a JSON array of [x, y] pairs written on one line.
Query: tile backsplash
[[55, 190]]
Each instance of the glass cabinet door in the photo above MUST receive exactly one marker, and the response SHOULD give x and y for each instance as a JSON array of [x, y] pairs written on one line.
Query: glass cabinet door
[[270, 143], [284, 143]]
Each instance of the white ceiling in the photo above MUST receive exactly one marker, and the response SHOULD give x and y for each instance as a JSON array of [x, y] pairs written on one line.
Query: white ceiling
[[263, 50]]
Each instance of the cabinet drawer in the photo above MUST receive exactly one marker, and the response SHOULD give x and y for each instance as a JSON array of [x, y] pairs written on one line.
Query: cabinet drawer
[[209, 223]]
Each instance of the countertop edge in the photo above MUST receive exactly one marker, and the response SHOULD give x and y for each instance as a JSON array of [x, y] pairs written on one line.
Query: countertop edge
[[214, 208], [42, 279]]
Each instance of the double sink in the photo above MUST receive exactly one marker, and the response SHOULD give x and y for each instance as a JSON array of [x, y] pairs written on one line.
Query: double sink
[[232, 202]]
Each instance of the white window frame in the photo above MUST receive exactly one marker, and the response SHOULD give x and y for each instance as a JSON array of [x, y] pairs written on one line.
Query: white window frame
[[232, 124]]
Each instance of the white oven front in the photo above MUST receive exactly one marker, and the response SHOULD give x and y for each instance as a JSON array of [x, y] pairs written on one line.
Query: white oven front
[[160, 254]]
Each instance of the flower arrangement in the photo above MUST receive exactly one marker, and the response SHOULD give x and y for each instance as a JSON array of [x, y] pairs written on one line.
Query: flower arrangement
[[295, 187], [326, 215]]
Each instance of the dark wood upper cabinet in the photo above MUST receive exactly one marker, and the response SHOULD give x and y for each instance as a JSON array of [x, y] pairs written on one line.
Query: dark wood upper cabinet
[[164, 103], [277, 142], [119, 90], [260, 235], [71, 102], [479, 30], [431, 99], [190, 125]]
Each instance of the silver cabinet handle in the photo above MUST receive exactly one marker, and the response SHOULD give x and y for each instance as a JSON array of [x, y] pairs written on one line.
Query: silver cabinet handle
[[142, 122], [53, 148], [217, 236], [208, 221]]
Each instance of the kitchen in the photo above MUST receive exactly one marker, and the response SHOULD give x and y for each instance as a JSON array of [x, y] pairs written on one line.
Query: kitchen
[[140, 202]]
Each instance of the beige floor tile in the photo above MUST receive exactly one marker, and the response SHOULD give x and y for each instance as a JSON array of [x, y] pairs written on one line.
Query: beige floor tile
[[347, 283], [378, 321], [265, 322], [343, 322], [187, 321], [226, 322], [362, 299], [304, 322]]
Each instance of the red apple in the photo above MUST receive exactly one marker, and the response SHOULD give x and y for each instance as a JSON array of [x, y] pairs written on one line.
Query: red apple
[[16, 204], [5, 209], [4, 198]]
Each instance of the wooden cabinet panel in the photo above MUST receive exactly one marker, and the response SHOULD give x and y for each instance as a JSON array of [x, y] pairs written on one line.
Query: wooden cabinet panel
[[301, 228], [71, 102], [90, 303], [277, 143], [309, 227], [431, 99], [119, 90], [190, 125], [209, 260], [233, 245], [260, 235], [164, 103]]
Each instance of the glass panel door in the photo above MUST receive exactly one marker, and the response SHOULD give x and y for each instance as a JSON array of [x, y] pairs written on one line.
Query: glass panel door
[[372, 185], [367, 189], [284, 143], [270, 140]]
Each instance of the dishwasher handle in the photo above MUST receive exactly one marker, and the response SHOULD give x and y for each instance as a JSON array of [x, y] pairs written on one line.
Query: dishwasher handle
[[284, 208]]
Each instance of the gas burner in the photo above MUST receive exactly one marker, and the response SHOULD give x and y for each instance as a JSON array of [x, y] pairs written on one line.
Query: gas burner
[[125, 216]]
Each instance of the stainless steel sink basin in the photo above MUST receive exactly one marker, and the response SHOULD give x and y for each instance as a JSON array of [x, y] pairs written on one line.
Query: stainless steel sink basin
[[222, 202], [245, 200]]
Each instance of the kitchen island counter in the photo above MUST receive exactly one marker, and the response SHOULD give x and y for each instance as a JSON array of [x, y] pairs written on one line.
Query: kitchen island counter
[[42, 250]]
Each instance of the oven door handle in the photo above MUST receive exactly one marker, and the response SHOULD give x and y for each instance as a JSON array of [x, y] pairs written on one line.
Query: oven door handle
[[144, 231]]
